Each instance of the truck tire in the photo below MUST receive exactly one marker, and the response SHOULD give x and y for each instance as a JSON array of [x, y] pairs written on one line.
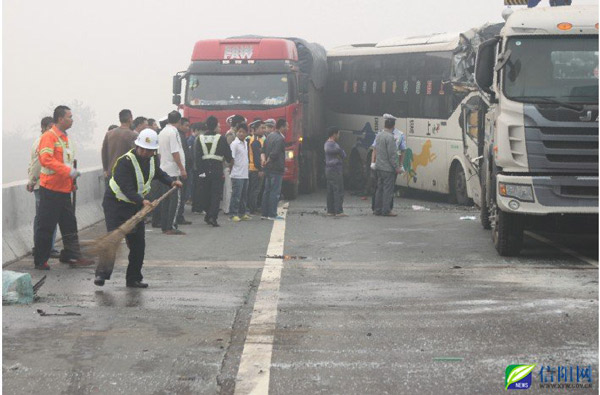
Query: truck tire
[[507, 233], [458, 186], [290, 190]]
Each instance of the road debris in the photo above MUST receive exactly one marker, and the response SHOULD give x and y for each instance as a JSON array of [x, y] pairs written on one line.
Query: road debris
[[17, 288], [468, 218], [419, 208], [65, 314]]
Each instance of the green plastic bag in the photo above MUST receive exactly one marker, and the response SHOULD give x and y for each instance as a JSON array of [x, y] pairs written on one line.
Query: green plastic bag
[[16, 288]]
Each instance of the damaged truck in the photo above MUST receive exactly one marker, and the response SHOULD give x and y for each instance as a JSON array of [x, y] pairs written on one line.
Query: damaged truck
[[539, 80]]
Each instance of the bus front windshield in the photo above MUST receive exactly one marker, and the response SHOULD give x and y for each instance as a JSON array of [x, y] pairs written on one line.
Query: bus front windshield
[[238, 91], [543, 69]]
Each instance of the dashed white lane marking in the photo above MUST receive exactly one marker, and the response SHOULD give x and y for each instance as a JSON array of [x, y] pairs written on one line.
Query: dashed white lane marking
[[254, 373], [562, 248]]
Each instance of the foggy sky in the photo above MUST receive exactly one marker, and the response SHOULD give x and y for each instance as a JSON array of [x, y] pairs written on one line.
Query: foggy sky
[[122, 54]]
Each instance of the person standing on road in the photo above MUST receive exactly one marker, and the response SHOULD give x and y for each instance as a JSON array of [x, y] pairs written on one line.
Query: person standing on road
[[255, 173], [57, 177], [239, 176], [153, 125], [184, 130], [269, 127], [387, 167], [212, 150], [230, 136], [273, 161], [334, 173], [128, 187], [117, 142], [172, 162], [193, 173], [34, 182]]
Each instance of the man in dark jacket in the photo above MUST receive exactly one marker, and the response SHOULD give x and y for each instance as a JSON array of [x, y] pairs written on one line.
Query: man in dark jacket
[[211, 150], [273, 162], [132, 175]]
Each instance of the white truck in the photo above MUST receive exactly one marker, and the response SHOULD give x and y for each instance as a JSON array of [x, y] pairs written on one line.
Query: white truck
[[539, 167]]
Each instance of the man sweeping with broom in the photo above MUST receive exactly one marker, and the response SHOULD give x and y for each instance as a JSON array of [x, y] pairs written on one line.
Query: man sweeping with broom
[[132, 175]]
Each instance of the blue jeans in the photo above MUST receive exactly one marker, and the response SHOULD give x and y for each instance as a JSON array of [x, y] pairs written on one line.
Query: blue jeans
[[239, 196], [36, 220], [271, 194]]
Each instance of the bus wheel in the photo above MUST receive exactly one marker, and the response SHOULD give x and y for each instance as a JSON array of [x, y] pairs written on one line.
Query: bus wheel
[[507, 232], [290, 190], [458, 186], [356, 177]]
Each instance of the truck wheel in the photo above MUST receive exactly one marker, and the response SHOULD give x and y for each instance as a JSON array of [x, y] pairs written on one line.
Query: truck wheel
[[507, 233], [290, 190], [458, 187]]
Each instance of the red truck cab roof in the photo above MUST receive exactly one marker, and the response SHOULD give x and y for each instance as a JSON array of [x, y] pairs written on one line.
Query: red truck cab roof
[[245, 48]]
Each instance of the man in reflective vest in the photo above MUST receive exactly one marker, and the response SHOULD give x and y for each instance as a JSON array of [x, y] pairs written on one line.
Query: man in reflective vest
[[132, 176], [211, 152], [57, 176]]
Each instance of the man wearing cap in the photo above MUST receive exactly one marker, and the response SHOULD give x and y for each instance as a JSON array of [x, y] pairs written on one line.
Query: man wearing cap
[[255, 173], [269, 126], [131, 178], [387, 167]]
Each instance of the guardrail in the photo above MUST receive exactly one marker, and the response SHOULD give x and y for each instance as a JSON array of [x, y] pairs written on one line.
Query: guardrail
[[18, 212]]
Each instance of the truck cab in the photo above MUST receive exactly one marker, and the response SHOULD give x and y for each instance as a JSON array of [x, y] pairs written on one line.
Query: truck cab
[[540, 158]]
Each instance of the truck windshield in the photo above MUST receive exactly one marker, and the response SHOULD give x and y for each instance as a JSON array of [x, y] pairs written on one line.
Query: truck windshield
[[563, 69], [239, 91]]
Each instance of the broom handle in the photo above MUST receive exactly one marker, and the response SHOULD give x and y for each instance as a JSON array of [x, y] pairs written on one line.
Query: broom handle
[[160, 199]]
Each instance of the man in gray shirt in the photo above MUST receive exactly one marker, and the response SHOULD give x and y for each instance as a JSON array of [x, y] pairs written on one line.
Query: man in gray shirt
[[117, 142], [387, 166], [273, 161]]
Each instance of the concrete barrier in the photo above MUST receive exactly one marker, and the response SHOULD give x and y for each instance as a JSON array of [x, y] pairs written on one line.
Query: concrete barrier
[[18, 211]]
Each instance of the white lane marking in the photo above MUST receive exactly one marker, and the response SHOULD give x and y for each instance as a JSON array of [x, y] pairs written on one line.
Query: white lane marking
[[254, 373], [561, 248]]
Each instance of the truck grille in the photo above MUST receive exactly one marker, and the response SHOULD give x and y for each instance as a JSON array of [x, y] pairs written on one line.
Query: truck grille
[[582, 191], [563, 149]]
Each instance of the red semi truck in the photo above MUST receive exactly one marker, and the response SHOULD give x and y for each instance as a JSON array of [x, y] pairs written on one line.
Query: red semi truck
[[259, 77]]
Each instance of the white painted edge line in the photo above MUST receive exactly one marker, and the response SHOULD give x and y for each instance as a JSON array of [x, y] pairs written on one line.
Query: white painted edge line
[[561, 248], [254, 373]]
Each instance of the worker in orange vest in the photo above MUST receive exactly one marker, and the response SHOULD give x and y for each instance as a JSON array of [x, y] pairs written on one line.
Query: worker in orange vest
[[57, 178]]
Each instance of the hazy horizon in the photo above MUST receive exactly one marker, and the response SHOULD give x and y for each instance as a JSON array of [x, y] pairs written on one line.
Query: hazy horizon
[[112, 55]]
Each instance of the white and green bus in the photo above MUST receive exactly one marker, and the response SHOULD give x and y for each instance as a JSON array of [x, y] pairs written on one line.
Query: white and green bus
[[427, 82]]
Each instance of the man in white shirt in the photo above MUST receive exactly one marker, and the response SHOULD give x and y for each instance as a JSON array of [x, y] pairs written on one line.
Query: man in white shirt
[[239, 175], [172, 162]]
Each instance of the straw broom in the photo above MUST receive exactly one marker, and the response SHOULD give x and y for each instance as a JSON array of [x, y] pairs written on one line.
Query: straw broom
[[106, 246]]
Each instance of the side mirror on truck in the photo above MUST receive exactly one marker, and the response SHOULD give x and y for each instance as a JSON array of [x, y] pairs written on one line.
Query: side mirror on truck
[[177, 99], [176, 85], [484, 66]]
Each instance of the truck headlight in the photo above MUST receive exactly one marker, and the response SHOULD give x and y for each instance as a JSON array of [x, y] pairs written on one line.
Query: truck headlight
[[521, 192], [289, 154]]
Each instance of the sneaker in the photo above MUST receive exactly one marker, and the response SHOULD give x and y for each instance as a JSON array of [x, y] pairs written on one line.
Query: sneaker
[[341, 215], [330, 214], [99, 281], [390, 214], [173, 232], [246, 218], [235, 218], [262, 217], [184, 222], [80, 262], [278, 218], [45, 266]]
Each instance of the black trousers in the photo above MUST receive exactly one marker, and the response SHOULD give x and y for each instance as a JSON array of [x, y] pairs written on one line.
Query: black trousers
[[335, 191], [211, 192], [56, 208], [255, 182], [384, 197], [170, 208], [115, 214], [153, 195], [197, 205]]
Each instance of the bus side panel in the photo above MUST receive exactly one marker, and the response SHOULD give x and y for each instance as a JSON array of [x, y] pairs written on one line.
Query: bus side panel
[[425, 164]]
